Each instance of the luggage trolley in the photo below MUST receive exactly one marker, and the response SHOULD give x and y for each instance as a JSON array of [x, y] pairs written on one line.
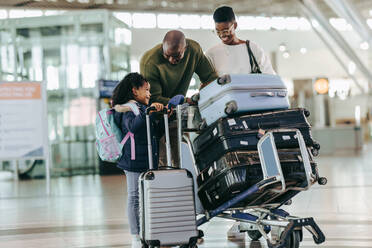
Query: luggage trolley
[[286, 230]]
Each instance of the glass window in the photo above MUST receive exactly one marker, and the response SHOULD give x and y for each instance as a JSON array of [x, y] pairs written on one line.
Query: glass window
[[141, 20], [33, 13], [123, 36], [3, 14], [37, 59], [124, 17], [278, 23], [304, 24], [369, 22], [190, 21], [207, 22], [292, 23], [16, 13], [247, 22], [134, 65], [72, 72], [7, 59], [340, 24], [168, 21], [263, 23], [52, 77]]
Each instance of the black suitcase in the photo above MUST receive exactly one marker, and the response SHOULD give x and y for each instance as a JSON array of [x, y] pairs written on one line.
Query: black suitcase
[[244, 132], [237, 171]]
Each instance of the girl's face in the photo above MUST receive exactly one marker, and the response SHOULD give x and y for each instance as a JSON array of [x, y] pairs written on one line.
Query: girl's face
[[142, 94]]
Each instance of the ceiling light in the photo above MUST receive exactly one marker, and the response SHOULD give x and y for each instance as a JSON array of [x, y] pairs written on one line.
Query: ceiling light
[[164, 4], [303, 50], [286, 55], [282, 47], [370, 12], [364, 45]]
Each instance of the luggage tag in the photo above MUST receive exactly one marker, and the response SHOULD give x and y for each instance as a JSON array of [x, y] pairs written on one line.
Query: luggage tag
[[245, 125], [231, 122], [210, 171], [215, 131], [260, 133]]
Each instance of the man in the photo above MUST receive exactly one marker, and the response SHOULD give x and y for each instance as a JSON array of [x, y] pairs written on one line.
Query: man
[[169, 68], [234, 55]]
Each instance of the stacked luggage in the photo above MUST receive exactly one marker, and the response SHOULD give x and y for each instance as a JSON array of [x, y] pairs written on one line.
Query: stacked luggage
[[226, 151]]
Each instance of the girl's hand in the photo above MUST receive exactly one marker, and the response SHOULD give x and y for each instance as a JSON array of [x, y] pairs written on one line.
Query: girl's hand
[[158, 106]]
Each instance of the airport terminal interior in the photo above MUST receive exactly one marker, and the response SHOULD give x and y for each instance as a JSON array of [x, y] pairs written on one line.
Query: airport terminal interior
[[61, 59]]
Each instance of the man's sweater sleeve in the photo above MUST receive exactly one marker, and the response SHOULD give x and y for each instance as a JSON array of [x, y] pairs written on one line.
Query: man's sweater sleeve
[[205, 69], [151, 73]]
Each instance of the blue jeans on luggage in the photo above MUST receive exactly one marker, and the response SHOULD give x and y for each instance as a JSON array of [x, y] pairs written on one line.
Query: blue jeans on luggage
[[133, 201]]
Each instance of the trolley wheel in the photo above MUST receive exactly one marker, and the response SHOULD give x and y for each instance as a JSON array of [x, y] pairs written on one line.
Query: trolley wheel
[[293, 240], [315, 152], [254, 234]]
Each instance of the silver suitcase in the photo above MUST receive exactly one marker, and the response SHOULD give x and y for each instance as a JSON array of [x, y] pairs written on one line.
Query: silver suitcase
[[167, 205], [242, 93]]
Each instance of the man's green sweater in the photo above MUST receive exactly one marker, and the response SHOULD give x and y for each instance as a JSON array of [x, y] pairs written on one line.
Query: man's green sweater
[[168, 80]]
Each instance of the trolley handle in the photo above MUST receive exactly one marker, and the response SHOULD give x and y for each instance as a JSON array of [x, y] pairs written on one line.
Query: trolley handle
[[149, 109], [304, 155], [148, 130]]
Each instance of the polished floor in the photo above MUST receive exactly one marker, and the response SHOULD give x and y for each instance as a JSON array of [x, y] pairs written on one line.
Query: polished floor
[[89, 211]]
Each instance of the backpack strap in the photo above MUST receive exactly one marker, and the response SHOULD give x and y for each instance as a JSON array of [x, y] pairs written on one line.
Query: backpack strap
[[132, 144], [255, 68], [134, 108]]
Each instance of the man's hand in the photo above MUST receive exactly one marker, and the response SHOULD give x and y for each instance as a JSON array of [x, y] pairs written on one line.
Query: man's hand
[[202, 85], [190, 101]]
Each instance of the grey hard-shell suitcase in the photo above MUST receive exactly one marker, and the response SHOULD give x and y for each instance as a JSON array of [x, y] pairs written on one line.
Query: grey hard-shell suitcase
[[242, 93], [167, 204]]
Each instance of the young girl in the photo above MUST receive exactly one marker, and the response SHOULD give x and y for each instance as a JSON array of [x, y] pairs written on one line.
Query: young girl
[[135, 88]]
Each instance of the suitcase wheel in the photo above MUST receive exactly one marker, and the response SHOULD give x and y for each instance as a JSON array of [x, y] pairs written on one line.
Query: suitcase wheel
[[322, 181], [316, 145], [306, 112], [315, 152]]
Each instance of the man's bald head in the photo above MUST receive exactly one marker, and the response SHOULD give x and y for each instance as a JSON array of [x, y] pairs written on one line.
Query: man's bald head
[[174, 45], [174, 39]]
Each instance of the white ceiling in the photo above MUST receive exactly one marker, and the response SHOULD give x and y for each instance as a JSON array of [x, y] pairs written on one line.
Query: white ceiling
[[247, 7]]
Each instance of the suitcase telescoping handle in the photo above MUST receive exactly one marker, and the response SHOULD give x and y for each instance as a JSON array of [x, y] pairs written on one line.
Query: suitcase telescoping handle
[[149, 143]]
